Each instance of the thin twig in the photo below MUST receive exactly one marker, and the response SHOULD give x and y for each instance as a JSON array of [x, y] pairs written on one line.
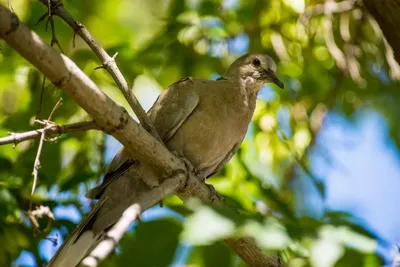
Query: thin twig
[[42, 210], [38, 213], [49, 7], [49, 16], [108, 63], [54, 39], [36, 164], [112, 237], [112, 118], [16, 138]]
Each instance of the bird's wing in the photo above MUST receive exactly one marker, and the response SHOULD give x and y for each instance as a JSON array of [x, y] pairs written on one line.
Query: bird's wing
[[118, 166], [122, 184], [173, 107], [116, 197], [225, 159], [72, 252], [168, 113]]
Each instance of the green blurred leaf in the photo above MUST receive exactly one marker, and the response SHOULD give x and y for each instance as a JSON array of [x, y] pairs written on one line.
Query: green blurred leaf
[[217, 255], [205, 226], [151, 244]]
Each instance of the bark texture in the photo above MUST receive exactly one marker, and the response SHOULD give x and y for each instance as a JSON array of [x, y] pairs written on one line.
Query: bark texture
[[113, 119]]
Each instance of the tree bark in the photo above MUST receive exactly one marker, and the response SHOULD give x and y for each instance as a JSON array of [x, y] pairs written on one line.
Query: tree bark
[[387, 15], [114, 119]]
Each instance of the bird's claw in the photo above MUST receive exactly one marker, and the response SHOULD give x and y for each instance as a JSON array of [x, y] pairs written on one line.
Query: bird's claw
[[188, 165], [214, 195]]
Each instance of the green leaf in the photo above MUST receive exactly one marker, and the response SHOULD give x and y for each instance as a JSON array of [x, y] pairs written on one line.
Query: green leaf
[[206, 226], [218, 255], [151, 244]]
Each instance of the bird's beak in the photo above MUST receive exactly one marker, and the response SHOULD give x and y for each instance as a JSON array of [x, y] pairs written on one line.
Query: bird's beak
[[278, 82], [269, 76]]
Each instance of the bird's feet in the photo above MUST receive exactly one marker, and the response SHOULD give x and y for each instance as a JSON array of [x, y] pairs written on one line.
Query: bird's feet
[[188, 165], [189, 168], [214, 195]]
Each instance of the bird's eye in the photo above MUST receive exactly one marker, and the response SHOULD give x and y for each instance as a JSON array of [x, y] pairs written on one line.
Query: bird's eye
[[256, 62]]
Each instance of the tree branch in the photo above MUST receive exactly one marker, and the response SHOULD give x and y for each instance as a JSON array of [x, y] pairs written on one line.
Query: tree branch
[[107, 245], [63, 73], [114, 120], [113, 236], [16, 138], [108, 63], [36, 164], [245, 247]]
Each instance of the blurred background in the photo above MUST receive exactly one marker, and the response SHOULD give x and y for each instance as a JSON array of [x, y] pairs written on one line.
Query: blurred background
[[316, 177]]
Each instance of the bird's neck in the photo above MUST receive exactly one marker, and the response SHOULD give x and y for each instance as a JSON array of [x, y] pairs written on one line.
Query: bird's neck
[[251, 97], [246, 94], [246, 97], [250, 84]]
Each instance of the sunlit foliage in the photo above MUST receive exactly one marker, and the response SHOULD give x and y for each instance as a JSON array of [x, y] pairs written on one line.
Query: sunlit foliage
[[331, 60]]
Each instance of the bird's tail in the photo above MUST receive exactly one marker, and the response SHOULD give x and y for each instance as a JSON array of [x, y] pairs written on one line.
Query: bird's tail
[[122, 186], [78, 244]]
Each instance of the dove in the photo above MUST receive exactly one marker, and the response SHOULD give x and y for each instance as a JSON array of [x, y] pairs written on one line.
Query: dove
[[201, 121]]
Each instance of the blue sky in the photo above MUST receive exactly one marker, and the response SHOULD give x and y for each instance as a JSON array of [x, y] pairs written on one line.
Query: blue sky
[[363, 179], [367, 177]]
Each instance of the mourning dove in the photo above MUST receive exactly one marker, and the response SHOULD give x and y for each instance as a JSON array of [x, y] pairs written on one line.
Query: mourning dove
[[202, 121]]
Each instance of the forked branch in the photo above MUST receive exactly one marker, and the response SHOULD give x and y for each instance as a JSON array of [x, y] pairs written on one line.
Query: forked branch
[[114, 120], [108, 63]]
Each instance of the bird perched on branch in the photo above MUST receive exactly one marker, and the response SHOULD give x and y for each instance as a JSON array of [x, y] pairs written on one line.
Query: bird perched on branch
[[202, 121]]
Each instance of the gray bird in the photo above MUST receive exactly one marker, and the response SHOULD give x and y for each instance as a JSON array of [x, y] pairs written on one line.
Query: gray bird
[[202, 121]]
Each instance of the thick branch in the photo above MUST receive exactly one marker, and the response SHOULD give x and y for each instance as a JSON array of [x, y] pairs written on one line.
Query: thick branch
[[113, 119], [245, 247], [16, 138], [108, 62], [131, 214]]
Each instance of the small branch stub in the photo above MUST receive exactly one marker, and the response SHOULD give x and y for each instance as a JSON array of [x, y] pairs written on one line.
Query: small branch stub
[[108, 62], [107, 114]]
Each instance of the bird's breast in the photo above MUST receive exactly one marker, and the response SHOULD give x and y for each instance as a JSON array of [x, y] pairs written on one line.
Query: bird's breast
[[209, 134]]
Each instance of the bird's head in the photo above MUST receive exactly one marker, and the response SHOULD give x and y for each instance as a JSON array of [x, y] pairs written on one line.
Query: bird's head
[[253, 71]]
